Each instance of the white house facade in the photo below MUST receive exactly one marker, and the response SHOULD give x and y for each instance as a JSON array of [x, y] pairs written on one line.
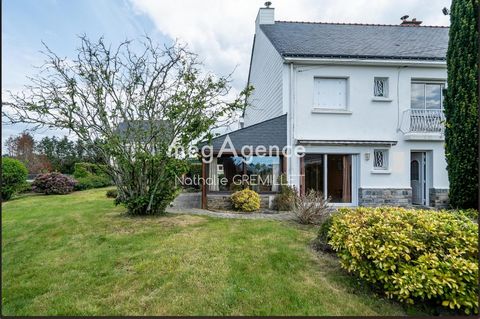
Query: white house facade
[[364, 101]]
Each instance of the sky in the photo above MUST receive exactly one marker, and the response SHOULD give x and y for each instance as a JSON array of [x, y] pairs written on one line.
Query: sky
[[220, 31]]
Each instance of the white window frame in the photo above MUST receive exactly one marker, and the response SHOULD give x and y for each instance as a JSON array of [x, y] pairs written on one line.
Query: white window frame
[[385, 155], [332, 108], [425, 83]]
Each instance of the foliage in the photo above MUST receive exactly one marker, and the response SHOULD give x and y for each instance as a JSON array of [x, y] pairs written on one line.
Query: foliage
[[22, 147], [461, 104], [90, 175], [53, 183], [311, 208], [322, 241], [14, 175], [194, 172], [64, 153], [469, 213], [413, 255], [112, 193], [246, 200], [285, 200], [136, 104]]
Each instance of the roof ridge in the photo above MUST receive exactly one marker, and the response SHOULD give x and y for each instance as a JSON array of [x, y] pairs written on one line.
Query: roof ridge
[[366, 24]]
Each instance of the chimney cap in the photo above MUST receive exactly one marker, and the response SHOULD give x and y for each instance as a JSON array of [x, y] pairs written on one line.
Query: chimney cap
[[268, 4]]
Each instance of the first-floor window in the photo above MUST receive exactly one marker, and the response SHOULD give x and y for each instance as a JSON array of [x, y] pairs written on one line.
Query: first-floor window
[[380, 159], [330, 93], [380, 87]]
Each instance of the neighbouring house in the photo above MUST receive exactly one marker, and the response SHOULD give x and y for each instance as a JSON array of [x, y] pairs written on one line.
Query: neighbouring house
[[363, 100]]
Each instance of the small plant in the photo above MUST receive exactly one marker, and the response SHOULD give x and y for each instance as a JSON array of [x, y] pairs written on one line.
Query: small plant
[[311, 208], [14, 176], [112, 193], [246, 200], [285, 200], [53, 183]]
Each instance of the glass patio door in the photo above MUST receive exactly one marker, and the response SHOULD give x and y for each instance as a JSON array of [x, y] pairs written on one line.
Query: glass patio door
[[330, 174]]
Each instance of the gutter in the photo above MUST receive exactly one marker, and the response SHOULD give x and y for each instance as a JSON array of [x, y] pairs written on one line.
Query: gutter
[[330, 61]]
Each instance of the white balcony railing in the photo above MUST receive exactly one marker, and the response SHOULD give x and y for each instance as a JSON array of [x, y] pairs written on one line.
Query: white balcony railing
[[422, 121]]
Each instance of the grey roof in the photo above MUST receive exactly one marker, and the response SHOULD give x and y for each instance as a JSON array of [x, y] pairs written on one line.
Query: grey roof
[[272, 132], [366, 41]]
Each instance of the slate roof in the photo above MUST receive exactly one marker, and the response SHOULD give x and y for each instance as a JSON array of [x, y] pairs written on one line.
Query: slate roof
[[272, 132], [364, 41]]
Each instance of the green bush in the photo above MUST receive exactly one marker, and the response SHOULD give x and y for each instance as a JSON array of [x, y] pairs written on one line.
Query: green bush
[[112, 193], [413, 255], [246, 200], [53, 183], [14, 175], [469, 213], [89, 175], [285, 200], [321, 242]]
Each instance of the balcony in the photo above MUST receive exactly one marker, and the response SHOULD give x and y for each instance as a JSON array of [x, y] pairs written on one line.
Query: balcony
[[422, 124]]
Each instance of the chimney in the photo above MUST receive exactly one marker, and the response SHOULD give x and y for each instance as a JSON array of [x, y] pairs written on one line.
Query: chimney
[[265, 15], [409, 23]]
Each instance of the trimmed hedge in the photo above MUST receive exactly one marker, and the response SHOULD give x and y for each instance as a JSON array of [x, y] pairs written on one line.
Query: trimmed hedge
[[89, 175], [14, 176], [53, 183], [246, 200], [413, 255]]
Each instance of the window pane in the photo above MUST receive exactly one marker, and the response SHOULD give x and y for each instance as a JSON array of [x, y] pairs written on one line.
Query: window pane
[[418, 96], [330, 93], [263, 172], [314, 172], [229, 167], [434, 96], [380, 87], [339, 178]]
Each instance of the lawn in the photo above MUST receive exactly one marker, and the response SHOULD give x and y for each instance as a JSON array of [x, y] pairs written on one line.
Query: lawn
[[78, 254]]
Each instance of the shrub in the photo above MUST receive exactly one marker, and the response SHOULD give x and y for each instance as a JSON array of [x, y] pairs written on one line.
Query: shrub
[[469, 213], [112, 193], [14, 175], [246, 200], [413, 255], [89, 175], [284, 200], [311, 208], [323, 237], [53, 183]]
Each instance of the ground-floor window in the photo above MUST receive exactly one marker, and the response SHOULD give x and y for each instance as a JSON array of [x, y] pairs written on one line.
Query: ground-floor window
[[330, 174], [232, 173]]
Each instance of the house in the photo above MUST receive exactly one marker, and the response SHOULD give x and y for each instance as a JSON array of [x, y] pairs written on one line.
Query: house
[[362, 101]]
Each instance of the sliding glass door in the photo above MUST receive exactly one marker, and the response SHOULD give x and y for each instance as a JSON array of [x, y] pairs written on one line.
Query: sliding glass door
[[330, 174]]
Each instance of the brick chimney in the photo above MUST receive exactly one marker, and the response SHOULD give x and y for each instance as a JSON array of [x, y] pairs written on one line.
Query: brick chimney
[[409, 23]]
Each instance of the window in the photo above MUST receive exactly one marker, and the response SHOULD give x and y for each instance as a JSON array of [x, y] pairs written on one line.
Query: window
[[427, 96], [380, 159], [380, 87], [330, 93]]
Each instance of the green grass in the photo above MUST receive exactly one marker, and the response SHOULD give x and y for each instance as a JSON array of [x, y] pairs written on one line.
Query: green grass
[[79, 255]]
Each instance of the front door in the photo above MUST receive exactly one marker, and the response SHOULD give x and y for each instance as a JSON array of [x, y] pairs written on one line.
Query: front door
[[418, 177]]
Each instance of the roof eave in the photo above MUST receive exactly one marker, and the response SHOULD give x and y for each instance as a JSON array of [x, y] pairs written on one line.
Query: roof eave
[[391, 61]]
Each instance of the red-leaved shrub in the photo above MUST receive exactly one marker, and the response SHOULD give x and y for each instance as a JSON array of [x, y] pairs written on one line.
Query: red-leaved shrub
[[53, 183]]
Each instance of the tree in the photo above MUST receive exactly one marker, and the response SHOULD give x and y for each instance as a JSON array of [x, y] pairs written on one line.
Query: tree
[[461, 100], [14, 175], [22, 148], [134, 103]]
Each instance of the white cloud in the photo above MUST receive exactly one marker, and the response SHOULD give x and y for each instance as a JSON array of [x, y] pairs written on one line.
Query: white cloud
[[221, 31]]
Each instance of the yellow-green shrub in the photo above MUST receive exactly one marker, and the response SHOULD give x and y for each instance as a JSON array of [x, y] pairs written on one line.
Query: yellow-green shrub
[[246, 200], [413, 255]]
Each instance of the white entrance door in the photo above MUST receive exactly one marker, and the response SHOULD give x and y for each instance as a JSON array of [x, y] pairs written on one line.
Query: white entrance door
[[418, 177]]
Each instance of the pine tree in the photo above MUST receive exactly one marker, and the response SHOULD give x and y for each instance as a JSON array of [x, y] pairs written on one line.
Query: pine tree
[[461, 104]]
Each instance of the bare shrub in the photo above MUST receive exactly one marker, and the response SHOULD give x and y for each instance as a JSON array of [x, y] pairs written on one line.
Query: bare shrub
[[311, 208]]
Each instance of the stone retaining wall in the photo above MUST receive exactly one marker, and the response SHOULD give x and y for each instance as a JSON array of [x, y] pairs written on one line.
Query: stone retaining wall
[[438, 198], [372, 197], [187, 200], [223, 202]]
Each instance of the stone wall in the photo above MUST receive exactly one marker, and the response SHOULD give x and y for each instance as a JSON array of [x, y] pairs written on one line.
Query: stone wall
[[438, 198], [372, 197], [187, 200], [223, 202]]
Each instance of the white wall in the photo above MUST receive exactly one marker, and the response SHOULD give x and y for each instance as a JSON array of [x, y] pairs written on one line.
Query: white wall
[[367, 120], [266, 77]]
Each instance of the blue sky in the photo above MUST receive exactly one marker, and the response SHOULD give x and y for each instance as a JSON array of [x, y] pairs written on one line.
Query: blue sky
[[220, 31]]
